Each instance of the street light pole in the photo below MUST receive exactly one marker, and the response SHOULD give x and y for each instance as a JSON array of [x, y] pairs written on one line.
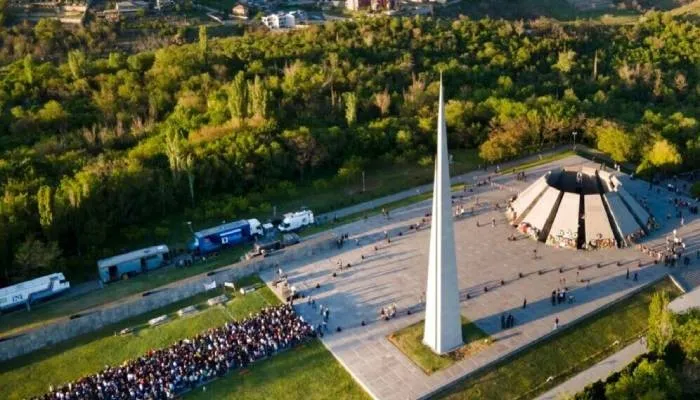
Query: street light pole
[[573, 134], [363, 181]]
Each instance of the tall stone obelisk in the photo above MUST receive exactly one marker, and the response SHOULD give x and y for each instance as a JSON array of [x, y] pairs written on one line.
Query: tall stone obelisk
[[443, 325]]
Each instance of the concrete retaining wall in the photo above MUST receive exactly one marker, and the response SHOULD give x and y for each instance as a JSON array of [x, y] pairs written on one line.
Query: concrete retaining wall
[[92, 320]]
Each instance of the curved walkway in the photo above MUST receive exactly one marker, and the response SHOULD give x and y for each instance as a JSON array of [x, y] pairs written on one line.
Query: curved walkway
[[600, 371]]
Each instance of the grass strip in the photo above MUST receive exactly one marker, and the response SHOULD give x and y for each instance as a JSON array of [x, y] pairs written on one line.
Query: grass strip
[[536, 163], [410, 341], [570, 351]]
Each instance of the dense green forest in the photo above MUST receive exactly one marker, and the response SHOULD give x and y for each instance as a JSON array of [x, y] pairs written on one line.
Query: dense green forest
[[89, 146]]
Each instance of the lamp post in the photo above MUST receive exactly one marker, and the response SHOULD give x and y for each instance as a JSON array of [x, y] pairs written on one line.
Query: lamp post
[[573, 134], [363, 181], [189, 224]]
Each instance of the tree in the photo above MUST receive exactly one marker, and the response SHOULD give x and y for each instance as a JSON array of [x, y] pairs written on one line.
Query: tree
[[44, 199], [203, 42], [238, 97], [28, 69], [259, 98], [649, 381], [664, 155], [383, 101], [660, 330], [565, 61], [48, 30], [305, 148], [189, 169], [350, 108], [77, 62], [174, 150], [52, 115], [687, 334], [34, 257], [3, 11], [612, 139]]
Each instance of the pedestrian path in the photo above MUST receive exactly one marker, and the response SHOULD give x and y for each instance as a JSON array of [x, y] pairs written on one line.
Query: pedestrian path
[[602, 370], [372, 204]]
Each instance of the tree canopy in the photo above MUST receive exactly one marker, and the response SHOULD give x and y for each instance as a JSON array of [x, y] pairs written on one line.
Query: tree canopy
[[92, 146]]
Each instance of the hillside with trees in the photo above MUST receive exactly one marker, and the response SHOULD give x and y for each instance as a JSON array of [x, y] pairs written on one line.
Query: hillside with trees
[[92, 146]]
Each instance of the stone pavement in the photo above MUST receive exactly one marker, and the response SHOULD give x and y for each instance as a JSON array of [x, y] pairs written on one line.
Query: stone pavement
[[600, 371], [395, 273]]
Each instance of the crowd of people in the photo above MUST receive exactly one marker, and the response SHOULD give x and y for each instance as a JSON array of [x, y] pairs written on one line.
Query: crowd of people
[[162, 374]]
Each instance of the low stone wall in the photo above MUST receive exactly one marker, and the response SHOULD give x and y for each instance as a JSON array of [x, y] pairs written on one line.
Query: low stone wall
[[92, 320]]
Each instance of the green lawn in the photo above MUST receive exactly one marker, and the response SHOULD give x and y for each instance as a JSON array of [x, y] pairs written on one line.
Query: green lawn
[[536, 163], [308, 372], [410, 341], [87, 354], [47, 312], [570, 351]]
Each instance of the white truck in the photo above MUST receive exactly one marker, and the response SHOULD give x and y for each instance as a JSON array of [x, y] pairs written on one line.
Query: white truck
[[296, 220], [30, 291]]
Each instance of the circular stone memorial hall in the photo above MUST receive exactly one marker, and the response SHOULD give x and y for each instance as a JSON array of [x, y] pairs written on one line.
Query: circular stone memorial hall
[[580, 208]]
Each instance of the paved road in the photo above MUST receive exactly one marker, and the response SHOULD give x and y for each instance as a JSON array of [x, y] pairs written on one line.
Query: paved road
[[602, 370], [468, 177]]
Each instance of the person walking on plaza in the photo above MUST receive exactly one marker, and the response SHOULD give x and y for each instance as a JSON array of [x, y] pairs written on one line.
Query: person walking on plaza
[[628, 274], [503, 321], [554, 297], [556, 323], [524, 302], [493, 222]]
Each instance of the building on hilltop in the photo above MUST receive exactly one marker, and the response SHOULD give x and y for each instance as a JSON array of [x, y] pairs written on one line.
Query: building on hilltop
[[279, 21], [131, 7], [355, 5], [240, 10]]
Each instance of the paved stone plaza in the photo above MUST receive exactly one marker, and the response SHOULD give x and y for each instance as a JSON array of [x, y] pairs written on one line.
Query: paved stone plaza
[[396, 273]]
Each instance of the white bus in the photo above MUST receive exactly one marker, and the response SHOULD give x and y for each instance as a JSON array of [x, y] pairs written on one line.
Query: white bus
[[30, 291]]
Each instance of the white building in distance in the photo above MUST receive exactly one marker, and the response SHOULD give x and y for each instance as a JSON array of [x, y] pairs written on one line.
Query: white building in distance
[[279, 21]]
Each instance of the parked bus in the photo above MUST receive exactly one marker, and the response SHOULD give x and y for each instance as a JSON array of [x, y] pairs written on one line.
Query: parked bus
[[31, 291], [129, 264], [225, 235]]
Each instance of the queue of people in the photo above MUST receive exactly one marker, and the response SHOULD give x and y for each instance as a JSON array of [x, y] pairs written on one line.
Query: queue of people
[[164, 373]]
